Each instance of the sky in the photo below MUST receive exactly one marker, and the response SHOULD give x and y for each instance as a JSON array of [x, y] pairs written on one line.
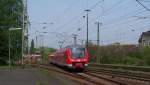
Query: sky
[[121, 21]]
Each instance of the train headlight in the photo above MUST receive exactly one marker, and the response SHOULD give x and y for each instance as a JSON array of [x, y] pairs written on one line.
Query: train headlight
[[86, 64], [84, 59], [72, 60]]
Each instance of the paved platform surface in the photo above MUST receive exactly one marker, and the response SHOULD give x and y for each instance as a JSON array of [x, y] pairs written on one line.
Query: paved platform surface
[[31, 77]]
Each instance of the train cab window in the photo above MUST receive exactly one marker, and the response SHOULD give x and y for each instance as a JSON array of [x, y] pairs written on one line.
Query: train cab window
[[78, 52]]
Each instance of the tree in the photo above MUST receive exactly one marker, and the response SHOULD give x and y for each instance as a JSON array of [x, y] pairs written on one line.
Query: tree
[[10, 16], [3, 46], [32, 46]]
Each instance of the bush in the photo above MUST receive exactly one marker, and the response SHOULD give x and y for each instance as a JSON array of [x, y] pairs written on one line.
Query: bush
[[145, 52], [120, 54]]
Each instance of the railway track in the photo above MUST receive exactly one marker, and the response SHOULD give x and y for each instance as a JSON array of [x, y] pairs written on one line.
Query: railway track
[[104, 80], [121, 73], [73, 76], [83, 78], [134, 75], [124, 67]]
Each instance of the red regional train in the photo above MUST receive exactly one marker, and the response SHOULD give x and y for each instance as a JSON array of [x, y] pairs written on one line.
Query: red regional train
[[73, 56]]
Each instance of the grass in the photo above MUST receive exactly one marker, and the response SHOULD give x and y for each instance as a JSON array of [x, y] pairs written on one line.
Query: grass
[[12, 66], [39, 83], [4, 66]]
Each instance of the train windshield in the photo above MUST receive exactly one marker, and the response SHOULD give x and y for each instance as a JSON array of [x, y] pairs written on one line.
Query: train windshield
[[78, 52]]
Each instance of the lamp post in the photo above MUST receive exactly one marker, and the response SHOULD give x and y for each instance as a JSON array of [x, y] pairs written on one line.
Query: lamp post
[[11, 29]]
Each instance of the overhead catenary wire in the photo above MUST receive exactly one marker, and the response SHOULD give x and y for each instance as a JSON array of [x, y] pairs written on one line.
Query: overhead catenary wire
[[123, 19], [91, 8], [76, 18], [113, 22], [68, 9], [142, 5], [105, 11], [126, 17], [96, 4], [115, 5], [144, 0], [109, 9], [118, 2], [74, 2], [106, 28], [124, 36]]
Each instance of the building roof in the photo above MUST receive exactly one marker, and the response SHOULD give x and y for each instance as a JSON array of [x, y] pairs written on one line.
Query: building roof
[[147, 33]]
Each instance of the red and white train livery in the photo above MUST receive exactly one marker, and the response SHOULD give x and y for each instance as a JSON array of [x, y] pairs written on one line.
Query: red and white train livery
[[73, 56]]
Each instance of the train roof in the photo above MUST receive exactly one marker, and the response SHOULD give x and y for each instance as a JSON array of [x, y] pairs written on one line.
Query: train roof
[[76, 46]]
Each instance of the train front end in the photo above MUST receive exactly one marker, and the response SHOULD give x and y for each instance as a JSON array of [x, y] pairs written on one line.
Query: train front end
[[78, 58]]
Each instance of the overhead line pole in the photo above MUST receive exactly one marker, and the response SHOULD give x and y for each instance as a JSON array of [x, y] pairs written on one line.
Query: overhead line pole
[[23, 26], [27, 27], [87, 18], [24, 31], [98, 33]]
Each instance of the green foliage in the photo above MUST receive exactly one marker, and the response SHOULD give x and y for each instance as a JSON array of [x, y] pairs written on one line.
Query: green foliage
[[10, 17], [15, 45], [3, 45], [11, 13], [146, 55], [46, 52], [120, 54]]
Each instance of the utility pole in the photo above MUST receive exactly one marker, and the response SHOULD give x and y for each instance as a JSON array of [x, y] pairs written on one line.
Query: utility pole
[[87, 18], [24, 30], [23, 27], [98, 32], [98, 41], [75, 38]]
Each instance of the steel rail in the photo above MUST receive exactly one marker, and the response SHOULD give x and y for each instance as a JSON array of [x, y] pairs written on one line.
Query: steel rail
[[119, 73], [76, 77], [126, 67], [107, 79]]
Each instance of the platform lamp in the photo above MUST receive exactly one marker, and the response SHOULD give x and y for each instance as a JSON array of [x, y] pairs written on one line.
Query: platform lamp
[[11, 29]]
